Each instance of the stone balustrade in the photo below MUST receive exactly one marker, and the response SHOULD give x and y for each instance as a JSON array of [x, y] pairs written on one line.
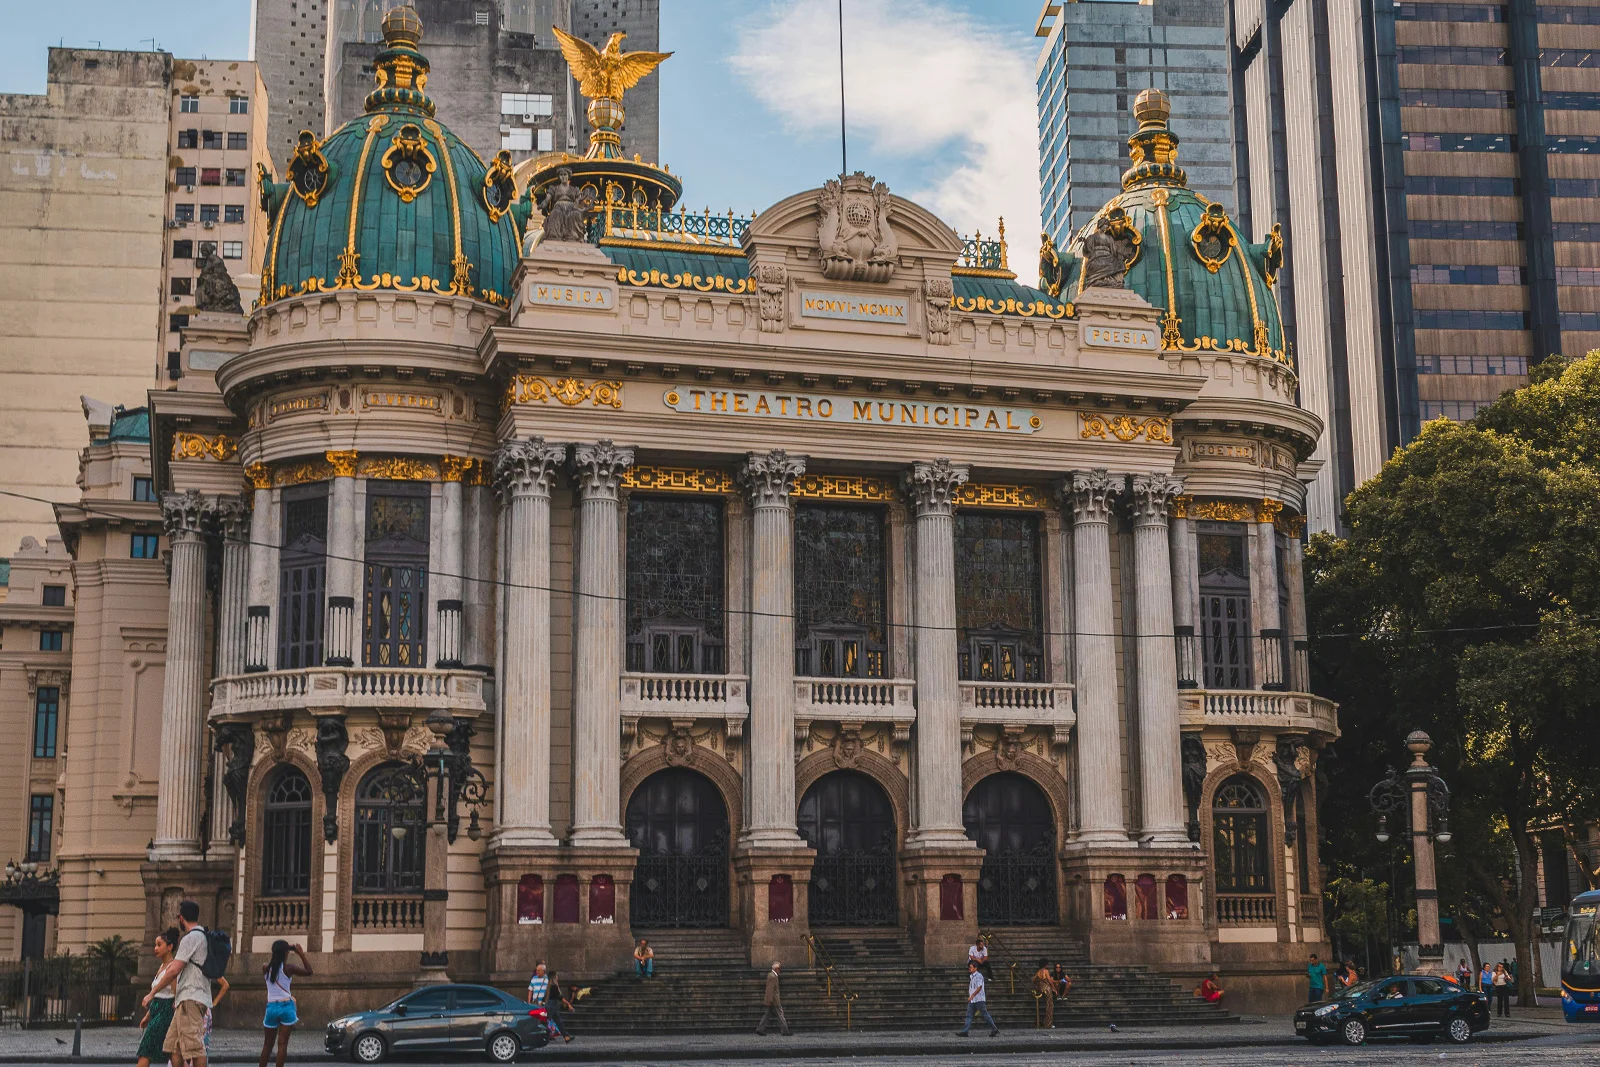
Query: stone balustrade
[[685, 696], [275, 915], [271, 692], [1246, 909], [386, 914], [855, 700], [1288, 712], [1018, 705]]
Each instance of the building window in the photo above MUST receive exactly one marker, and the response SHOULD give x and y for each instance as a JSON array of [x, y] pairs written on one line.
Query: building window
[[395, 594], [1569, 144], [211, 139], [1453, 230], [144, 546], [41, 817], [517, 139], [188, 104], [1472, 364], [387, 801], [1239, 837], [235, 176], [210, 212], [184, 176], [302, 577], [1572, 101], [182, 212], [1453, 56], [233, 250], [527, 104], [1437, 274], [999, 629], [1575, 231], [1438, 319], [841, 613], [1451, 13], [143, 488], [1456, 410], [188, 138], [176, 322], [1553, 57], [182, 286], [1222, 550], [1477, 98], [1436, 185], [54, 596], [210, 176], [233, 213], [183, 250], [238, 105], [675, 618], [46, 713], [238, 140], [49, 640], [1458, 142], [286, 836]]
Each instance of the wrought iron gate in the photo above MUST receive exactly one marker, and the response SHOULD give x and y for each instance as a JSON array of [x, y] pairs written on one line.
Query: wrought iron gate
[[1018, 888], [682, 891], [853, 889], [677, 821], [1010, 819]]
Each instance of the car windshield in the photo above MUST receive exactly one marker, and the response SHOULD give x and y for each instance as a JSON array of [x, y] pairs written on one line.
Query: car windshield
[[1583, 941], [1359, 990]]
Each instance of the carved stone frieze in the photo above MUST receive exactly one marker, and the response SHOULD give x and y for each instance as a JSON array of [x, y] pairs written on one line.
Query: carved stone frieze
[[938, 292], [772, 292]]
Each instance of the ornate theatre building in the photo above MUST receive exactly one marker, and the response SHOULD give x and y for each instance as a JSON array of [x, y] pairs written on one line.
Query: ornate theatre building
[[549, 566]]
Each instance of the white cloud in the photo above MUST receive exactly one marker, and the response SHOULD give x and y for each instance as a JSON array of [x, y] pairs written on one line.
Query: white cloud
[[923, 81]]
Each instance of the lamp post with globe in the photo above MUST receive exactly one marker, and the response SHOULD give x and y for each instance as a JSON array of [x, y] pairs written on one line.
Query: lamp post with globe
[[1424, 798]]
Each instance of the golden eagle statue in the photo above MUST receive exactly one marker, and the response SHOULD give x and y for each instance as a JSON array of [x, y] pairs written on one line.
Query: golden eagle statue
[[606, 73]]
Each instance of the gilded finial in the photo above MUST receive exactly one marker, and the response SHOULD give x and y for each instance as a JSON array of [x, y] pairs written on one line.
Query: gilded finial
[[1153, 148], [1151, 108], [402, 26], [604, 74]]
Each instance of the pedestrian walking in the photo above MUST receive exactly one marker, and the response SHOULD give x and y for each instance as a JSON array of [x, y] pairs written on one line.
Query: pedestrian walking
[[1316, 978], [977, 1000], [1464, 975], [1044, 987], [772, 1003], [1350, 976], [216, 998], [1501, 983], [555, 999], [644, 960], [185, 1038], [280, 1018], [158, 1006]]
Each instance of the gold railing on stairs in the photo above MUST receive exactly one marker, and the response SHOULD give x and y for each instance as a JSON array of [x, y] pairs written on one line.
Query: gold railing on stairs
[[1011, 957], [816, 951]]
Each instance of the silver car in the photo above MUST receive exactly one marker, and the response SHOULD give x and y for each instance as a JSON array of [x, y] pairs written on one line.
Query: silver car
[[442, 1018]]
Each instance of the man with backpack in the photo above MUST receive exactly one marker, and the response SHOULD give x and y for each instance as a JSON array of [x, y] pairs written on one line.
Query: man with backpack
[[202, 956]]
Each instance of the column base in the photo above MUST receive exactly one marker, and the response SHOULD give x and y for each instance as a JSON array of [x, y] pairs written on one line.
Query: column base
[[175, 851], [523, 837], [209, 882], [1177, 838], [767, 938], [778, 839], [1159, 940], [598, 837], [1104, 839], [942, 933], [514, 942], [944, 840]]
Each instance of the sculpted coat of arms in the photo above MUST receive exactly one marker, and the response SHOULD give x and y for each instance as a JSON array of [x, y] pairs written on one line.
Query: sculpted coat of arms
[[853, 232]]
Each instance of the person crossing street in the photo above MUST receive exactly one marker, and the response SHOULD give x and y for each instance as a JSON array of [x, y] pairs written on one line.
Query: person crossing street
[[772, 1001], [977, 1000]]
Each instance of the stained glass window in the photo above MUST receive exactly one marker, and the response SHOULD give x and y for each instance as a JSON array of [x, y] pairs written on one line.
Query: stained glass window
[[1239, 835], [1224, 604], [841, 617], [302, 577], [999, 616], [675, 585], [395, 597], [286, 850]]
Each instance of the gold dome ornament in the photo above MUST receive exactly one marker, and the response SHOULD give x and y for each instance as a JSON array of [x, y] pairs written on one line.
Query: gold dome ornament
[[402, 26], [604, 74], [1153, 148]]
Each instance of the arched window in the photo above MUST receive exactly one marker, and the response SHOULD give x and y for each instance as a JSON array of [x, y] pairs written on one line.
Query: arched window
[[1239, 837], [286, 844], [390, 835]]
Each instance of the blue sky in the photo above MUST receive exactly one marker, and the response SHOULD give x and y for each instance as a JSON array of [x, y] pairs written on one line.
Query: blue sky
[[940, 91]]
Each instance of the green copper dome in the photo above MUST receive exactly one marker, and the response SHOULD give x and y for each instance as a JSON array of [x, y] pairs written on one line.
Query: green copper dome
[[392, 200], [1219, 291]]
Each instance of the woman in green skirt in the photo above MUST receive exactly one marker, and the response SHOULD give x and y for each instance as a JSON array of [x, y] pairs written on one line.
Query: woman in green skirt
[[159, 1015]]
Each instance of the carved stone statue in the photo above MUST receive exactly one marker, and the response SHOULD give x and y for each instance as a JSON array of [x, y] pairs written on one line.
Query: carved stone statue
[[214, 290], [1108, 251], [1050, 273], [854, 236], [1286, 761], [240, 741], [564, 206], [1194, 779], [332, 763]]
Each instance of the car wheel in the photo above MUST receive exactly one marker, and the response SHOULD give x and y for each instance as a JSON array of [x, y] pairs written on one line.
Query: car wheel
[[1353, 1032], [1458, 1030], [368, 1048], [503, 1048]]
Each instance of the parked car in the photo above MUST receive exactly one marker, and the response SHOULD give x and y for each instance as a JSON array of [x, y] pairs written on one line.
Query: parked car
[[1418, 1006], [441, 1018]]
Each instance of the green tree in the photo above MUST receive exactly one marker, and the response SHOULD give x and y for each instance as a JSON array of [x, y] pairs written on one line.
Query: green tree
[[115, 958], [1466, 601]]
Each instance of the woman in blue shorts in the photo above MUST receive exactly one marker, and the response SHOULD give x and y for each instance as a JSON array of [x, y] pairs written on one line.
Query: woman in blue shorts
[[281, 1019]]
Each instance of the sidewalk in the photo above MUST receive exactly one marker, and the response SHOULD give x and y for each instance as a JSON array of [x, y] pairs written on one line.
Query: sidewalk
[[117, 1044]]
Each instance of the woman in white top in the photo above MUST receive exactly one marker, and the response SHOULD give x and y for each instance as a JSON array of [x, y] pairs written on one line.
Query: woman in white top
[[158, 1013], [280, 1019]]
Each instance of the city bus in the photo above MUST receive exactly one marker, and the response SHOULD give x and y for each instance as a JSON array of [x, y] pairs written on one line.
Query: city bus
[[1580, 960]]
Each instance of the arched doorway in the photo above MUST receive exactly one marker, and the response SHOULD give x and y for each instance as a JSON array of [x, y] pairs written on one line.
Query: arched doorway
[[1009, 817], [847, 818], [679, 824]]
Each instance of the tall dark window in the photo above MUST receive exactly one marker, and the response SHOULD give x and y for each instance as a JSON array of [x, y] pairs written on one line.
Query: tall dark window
[[143, 489], [53, 596], [675, 585], [395, 604], [302, 576], [41, 820], [1224, 603], [388, 861], [286, 846], [841, 616], [46, 713], [1239, 836], [999, 618]]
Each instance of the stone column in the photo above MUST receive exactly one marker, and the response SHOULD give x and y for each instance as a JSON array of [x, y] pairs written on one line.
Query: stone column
[[1093, 494], [1160, 759], [523, 473], [931, 488], [767, 478], [596, 696], [1185, 592], [1269, 653], [183, 752], [233, 515], [1294, 627], [261, 567], [447, 583], [345, 553]]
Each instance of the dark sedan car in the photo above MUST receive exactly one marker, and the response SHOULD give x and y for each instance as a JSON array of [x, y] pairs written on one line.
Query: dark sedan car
[[441, 1018], [1417, 1006]]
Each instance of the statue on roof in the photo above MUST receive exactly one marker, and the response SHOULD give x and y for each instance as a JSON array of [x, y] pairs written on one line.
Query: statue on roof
[[606, 73], [214, 289], [1109, 249], [853, 232], [1051, 276], [564, 207]]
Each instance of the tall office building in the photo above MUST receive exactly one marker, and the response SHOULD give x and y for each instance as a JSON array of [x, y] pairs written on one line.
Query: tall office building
[[289, 42], [1096, 57]]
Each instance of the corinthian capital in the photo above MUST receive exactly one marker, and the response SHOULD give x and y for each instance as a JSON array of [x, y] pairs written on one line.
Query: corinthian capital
[[1152, 497], [526, 468], [186, 515], [599, 468], [1093, 493], [233, 515], [932, 486], [768, 476]]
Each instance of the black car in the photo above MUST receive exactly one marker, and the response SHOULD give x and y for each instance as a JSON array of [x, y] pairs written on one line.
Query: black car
[[1418, 1006], [442, 1018]]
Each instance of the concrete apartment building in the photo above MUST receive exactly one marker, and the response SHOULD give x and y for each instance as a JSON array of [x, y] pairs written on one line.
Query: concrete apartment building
[[289, 43], [1095, 58]]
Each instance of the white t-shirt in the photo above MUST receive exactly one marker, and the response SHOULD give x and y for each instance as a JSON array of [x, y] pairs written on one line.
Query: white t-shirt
[[975, 990], [191, 984], [165, 994]]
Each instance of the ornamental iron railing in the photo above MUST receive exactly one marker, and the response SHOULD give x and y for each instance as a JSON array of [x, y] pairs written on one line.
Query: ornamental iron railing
[[681, 891], [854, 888], [1018, 888], [616, 217], [984, 253]]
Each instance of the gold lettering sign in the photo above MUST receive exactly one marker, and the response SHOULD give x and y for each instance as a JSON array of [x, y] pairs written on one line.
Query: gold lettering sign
[[297, 405], [1156, 429], [588, 297], [811, 407], [1201, 449], [842, 487], [678, 479], [1136, 338], [383, 398], [978, 495], [199, 446], [843, 306], [531, 389]]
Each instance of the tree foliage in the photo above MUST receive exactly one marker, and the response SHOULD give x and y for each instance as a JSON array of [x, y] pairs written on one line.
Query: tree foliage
[[1466, 602]]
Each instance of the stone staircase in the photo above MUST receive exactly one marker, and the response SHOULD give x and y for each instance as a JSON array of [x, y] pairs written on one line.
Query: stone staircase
[[703, 984]]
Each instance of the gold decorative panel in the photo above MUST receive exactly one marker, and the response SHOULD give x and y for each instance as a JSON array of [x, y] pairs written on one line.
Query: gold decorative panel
[[678, 479], [980, 495], [842, 487], [199, 446], [398, 468], [1156, 429], [530, 388]]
